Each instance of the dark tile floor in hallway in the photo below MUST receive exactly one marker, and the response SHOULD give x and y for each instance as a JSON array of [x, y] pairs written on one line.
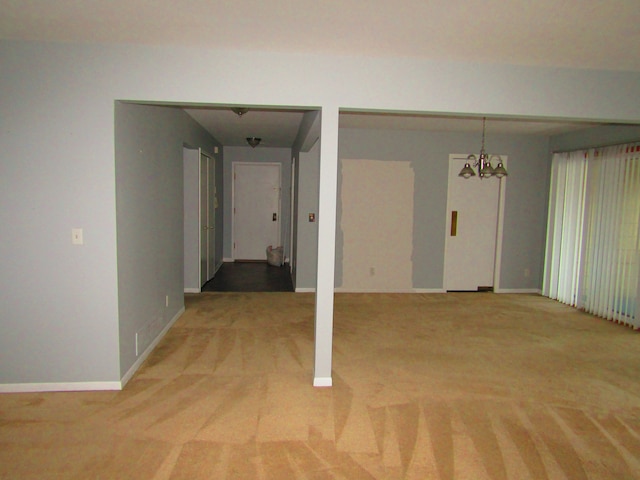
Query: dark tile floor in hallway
[[250, 277]]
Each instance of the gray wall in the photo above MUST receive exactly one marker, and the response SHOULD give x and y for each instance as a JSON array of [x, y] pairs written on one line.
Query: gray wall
[[428, 153], [305, 154], [58, 302], [595, 137], [307, 232], [57, 168], [265, 155], [149, 206], [191, 218]]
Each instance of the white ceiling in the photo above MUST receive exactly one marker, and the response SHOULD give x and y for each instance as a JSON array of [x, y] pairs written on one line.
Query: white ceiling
[[594, 34], [600, 34], [278, 128]]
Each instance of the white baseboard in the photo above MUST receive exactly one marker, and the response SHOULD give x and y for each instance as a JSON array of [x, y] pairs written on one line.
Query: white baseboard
[[402, 290], [518, 290], [59, 387], [305, 290], [228, 260], [127, 376], [192, 290], [322, 382]]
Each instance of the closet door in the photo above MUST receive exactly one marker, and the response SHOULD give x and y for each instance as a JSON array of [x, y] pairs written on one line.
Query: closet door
[[204, 219], [207, 218], [211, 217], [199, 219]]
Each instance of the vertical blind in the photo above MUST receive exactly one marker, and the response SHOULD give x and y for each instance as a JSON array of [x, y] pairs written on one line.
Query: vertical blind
[[593, 231]]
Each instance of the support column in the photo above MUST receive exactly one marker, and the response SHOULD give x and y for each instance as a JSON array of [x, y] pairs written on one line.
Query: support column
[[326, 246]]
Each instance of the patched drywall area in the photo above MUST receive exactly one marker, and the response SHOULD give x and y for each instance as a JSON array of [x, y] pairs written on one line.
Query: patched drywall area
[[377, 225]]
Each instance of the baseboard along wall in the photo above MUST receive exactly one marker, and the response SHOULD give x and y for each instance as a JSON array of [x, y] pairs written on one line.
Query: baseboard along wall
[[90, 386]]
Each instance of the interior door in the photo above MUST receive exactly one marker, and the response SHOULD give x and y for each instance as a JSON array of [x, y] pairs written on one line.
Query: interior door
[[256, 209], [211, 217], [473, 217], [204, 219]]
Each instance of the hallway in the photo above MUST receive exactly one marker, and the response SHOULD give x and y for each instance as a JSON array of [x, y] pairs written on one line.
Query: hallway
[[250, 277]]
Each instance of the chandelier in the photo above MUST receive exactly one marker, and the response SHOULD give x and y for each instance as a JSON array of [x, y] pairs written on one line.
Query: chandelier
[[483, 162]]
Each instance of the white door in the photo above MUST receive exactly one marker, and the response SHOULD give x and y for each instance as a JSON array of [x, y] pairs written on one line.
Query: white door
[[474, 215], [211, 218], [256, 209], [204, 219]]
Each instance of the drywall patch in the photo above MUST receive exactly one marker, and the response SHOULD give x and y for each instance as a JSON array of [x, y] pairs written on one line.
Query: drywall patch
[[377, 225]]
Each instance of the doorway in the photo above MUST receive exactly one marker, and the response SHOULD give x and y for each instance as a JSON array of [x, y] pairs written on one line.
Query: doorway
[[256, 209], [199, 218], [473, 245]]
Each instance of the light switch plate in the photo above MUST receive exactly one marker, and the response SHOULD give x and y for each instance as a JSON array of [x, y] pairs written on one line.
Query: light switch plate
[[76, 236]]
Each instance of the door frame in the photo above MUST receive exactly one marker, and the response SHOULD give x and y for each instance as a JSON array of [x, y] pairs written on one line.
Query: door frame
[[499, 228], [292, 202], [210, 174], [233, 199]]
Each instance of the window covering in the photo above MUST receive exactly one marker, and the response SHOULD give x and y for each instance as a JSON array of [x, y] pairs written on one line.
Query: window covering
[[593, 231]]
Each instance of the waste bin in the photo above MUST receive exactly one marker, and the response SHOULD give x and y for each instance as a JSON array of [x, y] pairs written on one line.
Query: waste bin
[[274, 256]]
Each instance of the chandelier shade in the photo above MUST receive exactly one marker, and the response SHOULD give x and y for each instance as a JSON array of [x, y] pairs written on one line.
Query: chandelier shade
[[483, 162]]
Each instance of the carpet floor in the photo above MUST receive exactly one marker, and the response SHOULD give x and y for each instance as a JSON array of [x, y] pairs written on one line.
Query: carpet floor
[[426, 386]]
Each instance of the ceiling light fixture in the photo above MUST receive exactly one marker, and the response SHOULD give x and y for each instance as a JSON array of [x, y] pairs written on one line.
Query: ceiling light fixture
[[254, 141], [240, 111], [483, 162]]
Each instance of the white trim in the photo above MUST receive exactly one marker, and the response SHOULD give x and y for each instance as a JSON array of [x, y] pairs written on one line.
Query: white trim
[[192, 290], [200, 155], [369, 290], [228, 260], [59, 387], [344, 290], [518, 290], [127, 376], [500, 233], [322, 382], [292, 192]]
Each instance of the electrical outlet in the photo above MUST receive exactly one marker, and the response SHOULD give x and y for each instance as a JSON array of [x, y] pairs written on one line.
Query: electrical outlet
[[527, 272], [372, 271]]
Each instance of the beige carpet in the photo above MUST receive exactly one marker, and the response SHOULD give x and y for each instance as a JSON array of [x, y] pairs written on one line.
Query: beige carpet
[[433, 386]]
